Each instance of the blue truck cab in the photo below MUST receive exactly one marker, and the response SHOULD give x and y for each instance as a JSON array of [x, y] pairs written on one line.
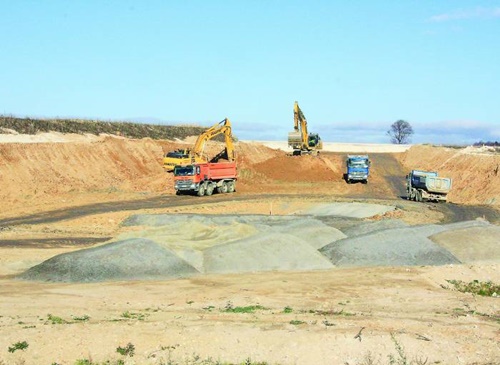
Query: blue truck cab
[[358, 168]]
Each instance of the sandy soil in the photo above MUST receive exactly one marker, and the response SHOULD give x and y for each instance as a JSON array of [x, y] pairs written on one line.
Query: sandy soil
[[308, 317]]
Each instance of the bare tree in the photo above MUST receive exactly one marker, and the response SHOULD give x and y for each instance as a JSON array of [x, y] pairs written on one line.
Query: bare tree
[[400, 132]]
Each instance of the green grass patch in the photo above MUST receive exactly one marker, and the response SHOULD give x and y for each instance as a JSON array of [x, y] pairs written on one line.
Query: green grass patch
[[229, 308], [483, 288], [128, 350]]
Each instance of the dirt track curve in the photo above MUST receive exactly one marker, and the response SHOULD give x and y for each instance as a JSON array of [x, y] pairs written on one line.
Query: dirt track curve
[[452, 212]]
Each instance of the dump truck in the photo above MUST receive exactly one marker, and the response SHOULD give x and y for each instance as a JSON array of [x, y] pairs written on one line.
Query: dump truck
[[427, 186], [358, 168], [205, 178], [300, 140]]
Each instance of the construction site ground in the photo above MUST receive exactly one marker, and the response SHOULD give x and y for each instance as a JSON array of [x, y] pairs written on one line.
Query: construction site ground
[[295, 267]]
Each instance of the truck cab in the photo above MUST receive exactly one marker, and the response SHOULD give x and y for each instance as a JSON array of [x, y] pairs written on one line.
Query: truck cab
[[358, 168]]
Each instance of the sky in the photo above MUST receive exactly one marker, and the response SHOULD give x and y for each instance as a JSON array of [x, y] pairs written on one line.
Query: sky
[[355, 67]]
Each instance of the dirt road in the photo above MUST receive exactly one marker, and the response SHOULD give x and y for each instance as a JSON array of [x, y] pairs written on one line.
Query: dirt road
[[452, 212]]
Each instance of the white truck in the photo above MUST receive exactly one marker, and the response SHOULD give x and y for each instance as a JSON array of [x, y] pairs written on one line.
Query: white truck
[[427, 185]]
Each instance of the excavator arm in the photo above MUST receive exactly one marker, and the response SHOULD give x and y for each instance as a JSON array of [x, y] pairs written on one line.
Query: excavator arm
[[196, 154], [223, 127], [300, 125]]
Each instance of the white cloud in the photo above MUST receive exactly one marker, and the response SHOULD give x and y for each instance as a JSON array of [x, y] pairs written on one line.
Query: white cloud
[[477, 13]]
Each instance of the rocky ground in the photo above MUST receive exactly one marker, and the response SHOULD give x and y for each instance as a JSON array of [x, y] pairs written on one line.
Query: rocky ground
[[296, 267]]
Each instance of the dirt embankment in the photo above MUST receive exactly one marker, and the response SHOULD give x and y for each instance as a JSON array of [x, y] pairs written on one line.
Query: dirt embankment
[[54, 168], [109, 169], [475, 171]]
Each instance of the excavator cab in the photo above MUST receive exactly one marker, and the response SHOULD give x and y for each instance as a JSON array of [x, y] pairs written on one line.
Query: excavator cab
[[180, 153], [313, 140]]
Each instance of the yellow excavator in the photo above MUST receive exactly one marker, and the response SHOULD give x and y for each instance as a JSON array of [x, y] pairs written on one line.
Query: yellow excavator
[[299, 139], [197, 153]]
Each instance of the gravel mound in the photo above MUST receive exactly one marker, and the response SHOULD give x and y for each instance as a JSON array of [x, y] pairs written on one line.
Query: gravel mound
[[181, 245], [133, 259], [204, 231], [264, 253], [276, 240], [472, 244], [391, 247], [363, 228]]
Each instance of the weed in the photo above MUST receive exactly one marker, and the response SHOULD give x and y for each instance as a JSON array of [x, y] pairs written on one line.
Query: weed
[[128, 350], [209, 308], [287, 310], [248, 309], [90, 362], [55, 319], [296, 322], [327, 323], [483, 288], [83, 318], [18, 346], [332, 313], [401, 360], [132, 315]]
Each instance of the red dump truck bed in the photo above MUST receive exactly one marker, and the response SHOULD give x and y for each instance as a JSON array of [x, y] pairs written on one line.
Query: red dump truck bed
[[218, 170]]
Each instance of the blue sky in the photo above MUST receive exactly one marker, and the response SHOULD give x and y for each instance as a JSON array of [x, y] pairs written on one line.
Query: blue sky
[[355, 67]]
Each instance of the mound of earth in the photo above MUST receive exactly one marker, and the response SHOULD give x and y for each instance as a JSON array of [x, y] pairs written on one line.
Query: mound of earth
[[305, 168], [133, 259]]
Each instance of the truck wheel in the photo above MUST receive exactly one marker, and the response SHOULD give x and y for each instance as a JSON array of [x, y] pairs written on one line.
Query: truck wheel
[[210, 190], [201, 190], [223, 188], [230, 187], [418, 197], [365, 181]]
